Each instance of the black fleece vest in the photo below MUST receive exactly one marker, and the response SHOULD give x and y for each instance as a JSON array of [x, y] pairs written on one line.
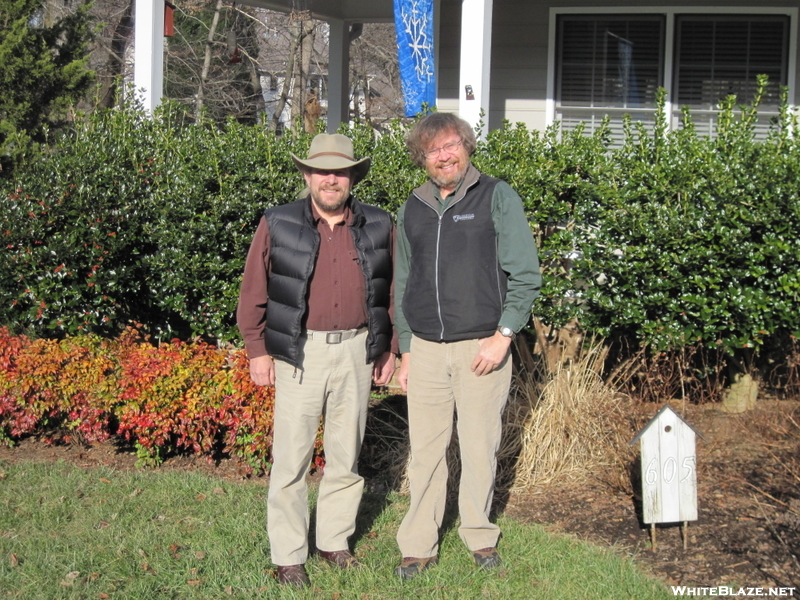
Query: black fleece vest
[[294, 244], [456, 288]]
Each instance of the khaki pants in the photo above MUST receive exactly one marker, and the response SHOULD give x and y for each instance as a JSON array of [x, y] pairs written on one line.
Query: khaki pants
[[335, 379], [439, 382]]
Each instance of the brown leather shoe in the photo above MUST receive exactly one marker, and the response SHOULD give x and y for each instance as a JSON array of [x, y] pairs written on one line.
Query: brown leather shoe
[[410, 567], [340, 558], [293, 575], [487, 558]]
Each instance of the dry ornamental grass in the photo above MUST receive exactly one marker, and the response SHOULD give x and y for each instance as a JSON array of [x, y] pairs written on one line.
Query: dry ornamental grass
[[563, 420]]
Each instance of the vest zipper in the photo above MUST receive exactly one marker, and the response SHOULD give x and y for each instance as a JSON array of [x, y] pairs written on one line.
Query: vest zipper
[[438, 301], [438, 238]]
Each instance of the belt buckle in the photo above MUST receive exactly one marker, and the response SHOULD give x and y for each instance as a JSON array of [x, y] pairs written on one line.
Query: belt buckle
[[334, 337]]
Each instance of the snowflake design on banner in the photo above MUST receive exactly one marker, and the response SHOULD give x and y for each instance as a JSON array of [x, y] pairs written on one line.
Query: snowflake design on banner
[[415, 23]]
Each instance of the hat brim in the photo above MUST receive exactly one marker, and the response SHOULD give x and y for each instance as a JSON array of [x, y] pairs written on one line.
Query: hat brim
[[332, 162]]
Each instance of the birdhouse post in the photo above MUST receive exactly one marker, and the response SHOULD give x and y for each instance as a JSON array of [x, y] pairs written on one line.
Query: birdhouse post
[[669, 471]]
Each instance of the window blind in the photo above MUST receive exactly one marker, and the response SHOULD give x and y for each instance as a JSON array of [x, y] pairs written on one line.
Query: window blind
[[609, 61], [721, 55]]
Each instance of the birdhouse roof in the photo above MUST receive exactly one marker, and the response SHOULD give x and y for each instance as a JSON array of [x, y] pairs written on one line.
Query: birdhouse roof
[[655, 418]]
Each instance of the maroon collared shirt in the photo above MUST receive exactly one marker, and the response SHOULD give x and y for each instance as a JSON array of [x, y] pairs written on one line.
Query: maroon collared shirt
[[336, 296]]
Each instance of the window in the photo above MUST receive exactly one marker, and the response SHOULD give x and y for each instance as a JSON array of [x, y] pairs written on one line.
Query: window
[[608, 65], [721, 55], [625, 57], [613, 64]]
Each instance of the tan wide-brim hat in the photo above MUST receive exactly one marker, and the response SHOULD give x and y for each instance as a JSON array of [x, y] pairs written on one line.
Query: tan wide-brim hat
[[331, 152]]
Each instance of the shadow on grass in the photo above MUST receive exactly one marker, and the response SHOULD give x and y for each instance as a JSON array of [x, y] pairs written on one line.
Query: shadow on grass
[[383, 460], [383, 454]]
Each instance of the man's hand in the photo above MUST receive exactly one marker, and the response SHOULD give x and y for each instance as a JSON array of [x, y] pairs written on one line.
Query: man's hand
[[383, 369], [493, 352], [402, 374], [262, 370]]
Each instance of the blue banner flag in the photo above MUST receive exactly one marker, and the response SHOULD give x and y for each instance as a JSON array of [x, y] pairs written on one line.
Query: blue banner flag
[[413, 20]]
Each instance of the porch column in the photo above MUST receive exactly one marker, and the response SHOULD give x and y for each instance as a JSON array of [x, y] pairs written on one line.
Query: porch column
[[476, 52], [148, 73], [338, 74]]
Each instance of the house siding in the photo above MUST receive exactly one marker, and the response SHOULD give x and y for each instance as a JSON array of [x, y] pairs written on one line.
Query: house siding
[[519, 64], [449, 49]]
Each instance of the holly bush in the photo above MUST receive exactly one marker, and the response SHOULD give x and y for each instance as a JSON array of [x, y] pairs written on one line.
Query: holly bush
[[699, 243], [560, 179], [72, 230], [671, 239], [132, 219]]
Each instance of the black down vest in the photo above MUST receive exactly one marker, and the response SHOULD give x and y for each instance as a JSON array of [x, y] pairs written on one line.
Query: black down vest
[[294, 243]]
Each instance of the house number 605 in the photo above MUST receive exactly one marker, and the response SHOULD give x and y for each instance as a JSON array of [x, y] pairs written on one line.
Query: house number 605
[[669, 470]]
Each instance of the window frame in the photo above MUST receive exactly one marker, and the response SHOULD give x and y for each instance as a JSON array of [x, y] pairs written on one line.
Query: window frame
[[605, 80], [670, 13]]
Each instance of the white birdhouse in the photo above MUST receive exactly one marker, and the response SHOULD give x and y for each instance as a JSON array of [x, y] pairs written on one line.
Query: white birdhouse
[[669, 470]]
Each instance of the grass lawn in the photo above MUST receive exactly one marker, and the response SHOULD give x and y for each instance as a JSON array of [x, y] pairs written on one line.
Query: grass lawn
[[72, 533]]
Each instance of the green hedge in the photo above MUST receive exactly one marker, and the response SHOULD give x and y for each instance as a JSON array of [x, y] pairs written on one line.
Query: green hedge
[[133, 219], [697, 240], [671, 239]]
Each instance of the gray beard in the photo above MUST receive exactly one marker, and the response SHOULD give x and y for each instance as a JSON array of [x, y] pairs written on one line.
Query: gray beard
[[440, 183], [330, 209]]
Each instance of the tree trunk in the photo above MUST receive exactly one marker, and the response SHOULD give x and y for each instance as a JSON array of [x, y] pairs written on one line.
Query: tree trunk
[[367, 100], [115, 65], [311, 112], [301, 30], [302, 67], [207, 61], [287, 80], [258, 91], [296, 103]]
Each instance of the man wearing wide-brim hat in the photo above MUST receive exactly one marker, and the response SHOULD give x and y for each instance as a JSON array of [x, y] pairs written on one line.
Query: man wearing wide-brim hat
[[314, 312]]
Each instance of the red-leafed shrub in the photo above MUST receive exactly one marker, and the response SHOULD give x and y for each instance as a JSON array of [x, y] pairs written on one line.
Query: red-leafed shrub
[[84, 386], [12, 417], [49, 384], [170, 397], [246, 415], [176, 397]]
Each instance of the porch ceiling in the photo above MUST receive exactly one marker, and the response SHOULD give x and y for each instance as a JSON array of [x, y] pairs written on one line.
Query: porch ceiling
[[365, 11]]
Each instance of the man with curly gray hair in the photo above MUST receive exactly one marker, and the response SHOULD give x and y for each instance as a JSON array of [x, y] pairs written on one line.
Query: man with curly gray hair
[[466, 276]]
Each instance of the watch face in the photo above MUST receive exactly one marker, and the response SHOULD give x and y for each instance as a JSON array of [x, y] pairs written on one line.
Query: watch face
[[506, 331]]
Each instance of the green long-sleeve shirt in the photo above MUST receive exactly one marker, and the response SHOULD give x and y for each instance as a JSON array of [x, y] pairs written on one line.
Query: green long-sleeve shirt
[[516, 252]]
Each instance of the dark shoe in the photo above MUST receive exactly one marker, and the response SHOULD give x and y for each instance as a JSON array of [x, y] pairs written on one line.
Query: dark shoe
[[410, 567], [340, 558], [293, 575], [487, 558]]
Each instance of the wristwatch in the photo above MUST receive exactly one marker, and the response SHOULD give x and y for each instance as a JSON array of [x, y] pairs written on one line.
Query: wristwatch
[[507, 332]]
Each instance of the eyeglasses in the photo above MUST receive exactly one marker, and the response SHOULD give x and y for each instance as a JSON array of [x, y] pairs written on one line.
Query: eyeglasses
[[450, 148]]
